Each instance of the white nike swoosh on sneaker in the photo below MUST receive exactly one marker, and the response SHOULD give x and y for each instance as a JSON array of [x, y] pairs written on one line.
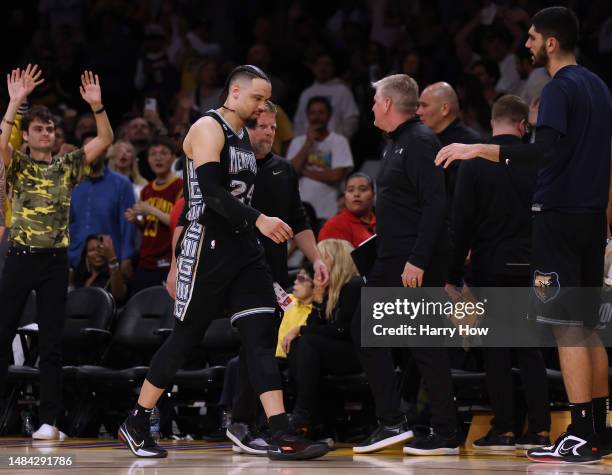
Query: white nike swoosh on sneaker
[[133, 445], [277, 172], [574, 444]]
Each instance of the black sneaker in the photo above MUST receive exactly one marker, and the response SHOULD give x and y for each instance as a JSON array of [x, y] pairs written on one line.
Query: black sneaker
[[568, 448], [432, 444], [605, 442], [140, 443], [383, 437], [495, 441], [532, 441], [299, 424], [286, 446], [246, 440]]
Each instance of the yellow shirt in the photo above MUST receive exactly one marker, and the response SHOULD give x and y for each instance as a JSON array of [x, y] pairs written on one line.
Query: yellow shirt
[[295, 316]]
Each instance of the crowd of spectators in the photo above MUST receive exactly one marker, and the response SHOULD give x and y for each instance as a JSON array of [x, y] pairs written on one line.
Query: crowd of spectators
[[163, 63]]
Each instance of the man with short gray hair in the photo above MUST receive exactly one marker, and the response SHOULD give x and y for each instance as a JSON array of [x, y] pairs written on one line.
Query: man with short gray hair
[[413, 251]]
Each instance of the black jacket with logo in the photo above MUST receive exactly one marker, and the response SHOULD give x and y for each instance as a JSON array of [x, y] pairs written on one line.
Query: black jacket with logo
[[411, 197], [277, 194]]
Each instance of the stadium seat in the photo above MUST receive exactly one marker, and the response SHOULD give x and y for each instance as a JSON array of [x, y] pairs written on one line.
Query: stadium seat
[[108, 389]]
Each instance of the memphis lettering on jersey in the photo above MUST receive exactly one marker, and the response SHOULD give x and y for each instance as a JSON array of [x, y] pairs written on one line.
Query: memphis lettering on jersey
[[241, 160], [194, 201]]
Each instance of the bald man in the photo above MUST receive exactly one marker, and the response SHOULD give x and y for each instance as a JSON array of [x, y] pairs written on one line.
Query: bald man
[[439, 110]]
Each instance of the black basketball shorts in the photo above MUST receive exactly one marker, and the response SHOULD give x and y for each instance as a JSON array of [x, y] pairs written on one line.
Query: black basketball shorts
[[220, 273], [567, 267]]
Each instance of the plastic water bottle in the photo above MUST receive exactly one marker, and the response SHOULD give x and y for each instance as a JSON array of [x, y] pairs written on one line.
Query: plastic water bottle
[[27, 424], [155, 432], [284, 300]]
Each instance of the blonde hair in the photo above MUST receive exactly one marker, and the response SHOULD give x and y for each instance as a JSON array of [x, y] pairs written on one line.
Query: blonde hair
[[401, 89], [342, 269], [134, 174]]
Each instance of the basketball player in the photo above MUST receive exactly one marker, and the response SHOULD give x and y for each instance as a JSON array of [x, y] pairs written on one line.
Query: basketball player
[[572, 149], [221, 267]]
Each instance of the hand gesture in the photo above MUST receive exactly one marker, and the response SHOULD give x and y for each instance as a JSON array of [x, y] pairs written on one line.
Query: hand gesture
[[289, 337], [21, 83], [90, 89], [310, 135], [107, 248], [456, 151], [412, 276], [274, 228], [142, 207], [130, 215]]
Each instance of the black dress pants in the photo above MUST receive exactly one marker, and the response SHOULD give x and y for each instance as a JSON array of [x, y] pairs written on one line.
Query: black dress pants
[[46, 273], [433, 363]]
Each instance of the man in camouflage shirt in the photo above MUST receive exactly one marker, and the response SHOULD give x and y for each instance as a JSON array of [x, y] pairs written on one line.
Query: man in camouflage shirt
[[37, 259]]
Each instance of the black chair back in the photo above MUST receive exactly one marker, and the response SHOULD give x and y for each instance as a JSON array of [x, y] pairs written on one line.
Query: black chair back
[[88, 307], [137, 325]]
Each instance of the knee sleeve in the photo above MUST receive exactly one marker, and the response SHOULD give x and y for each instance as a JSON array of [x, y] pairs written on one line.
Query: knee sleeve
[[257, 334], [171, 355]]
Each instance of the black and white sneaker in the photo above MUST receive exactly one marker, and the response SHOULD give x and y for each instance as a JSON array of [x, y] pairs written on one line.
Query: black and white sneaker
[[245, 440], [568, 448], [383, 437], [532, 441], [140, 443], [432, 444], [287, 446], [495, 441]]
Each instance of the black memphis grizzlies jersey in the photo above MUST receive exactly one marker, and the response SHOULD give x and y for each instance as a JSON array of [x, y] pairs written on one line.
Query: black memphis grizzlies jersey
[[239, 168]]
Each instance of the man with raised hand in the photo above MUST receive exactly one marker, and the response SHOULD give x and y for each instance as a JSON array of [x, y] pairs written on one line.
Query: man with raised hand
[[37, 257]]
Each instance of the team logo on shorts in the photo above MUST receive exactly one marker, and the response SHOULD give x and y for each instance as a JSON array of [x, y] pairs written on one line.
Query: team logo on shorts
[[546, 285]]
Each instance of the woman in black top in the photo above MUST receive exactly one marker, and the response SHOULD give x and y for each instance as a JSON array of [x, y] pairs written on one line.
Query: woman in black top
[[323, 345], [99, 267]]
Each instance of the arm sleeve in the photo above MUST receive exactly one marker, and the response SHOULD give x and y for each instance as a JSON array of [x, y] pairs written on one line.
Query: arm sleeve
[[539, 153], [347, 304], [432, 195], [463, 221], [240, 216]]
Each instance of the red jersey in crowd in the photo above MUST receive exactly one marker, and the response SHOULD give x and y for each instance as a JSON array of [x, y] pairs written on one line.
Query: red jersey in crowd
[[345, 225], [177, 209], [156, 247]]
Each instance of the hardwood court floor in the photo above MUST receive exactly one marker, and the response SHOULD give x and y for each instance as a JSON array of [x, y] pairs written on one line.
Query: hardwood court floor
[[106, 457]]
